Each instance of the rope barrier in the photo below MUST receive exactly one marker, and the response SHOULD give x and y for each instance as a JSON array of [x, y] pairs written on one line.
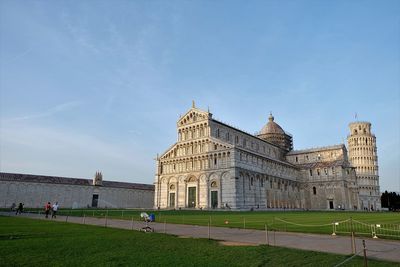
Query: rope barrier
[[304, 225], [348, 259]]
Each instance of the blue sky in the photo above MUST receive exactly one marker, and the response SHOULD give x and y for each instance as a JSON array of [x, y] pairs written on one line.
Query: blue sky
[[99, 85]]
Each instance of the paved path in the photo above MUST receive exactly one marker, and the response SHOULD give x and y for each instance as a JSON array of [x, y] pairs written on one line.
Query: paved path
[[376, 248]]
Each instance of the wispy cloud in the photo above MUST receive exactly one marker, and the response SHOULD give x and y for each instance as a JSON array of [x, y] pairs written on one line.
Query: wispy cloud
[[19, 55], [47, 113]]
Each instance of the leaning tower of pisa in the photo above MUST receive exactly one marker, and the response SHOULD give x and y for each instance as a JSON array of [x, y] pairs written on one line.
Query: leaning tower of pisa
[[363, 156]]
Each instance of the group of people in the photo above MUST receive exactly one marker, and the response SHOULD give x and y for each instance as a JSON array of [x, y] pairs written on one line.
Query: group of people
[[51, 208], [47, 209]]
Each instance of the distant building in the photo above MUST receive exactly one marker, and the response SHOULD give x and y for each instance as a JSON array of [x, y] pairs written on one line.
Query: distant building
[[214, 165], [36, 190]]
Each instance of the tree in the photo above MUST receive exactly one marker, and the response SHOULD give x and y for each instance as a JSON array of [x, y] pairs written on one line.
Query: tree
[[390, 200]]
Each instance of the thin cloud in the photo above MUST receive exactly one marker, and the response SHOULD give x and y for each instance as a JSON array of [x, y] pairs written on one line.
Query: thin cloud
[[50, 112], [19, 55]]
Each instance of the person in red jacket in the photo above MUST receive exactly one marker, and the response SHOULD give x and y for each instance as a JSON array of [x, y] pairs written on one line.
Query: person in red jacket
[[47, 209]]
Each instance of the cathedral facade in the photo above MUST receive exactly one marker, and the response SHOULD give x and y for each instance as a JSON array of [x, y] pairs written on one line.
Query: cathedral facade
[[216, 166]]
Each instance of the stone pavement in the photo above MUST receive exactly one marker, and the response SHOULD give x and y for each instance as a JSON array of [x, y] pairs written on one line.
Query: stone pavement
[[376, 248]]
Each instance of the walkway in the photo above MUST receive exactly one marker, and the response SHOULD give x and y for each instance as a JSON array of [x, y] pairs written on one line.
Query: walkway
[[376, 248]]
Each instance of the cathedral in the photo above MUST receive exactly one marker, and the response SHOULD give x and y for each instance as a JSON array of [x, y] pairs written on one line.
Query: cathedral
[[216, 166]]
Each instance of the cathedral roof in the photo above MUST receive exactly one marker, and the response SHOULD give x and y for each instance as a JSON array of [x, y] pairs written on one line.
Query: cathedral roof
[[272, 127], [317, 149], [324, 164]]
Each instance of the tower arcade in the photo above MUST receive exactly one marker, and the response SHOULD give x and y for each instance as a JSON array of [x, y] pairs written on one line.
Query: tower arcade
[[363, 156]]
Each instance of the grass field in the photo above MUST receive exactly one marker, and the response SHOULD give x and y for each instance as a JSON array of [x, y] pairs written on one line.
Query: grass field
[[362, 223], [28, 242], [292, 221]]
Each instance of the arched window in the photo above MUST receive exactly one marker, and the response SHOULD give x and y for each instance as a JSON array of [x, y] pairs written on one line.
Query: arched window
[[314, 190]]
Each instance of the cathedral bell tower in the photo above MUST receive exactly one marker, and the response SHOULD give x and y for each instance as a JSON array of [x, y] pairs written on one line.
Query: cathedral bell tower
[[363, 156]]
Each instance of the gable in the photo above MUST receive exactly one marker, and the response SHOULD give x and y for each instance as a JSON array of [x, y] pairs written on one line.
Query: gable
[[192, 116], [170, 152]]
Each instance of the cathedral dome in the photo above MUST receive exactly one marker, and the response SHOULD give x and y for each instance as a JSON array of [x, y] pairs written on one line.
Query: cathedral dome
[[272, 127]]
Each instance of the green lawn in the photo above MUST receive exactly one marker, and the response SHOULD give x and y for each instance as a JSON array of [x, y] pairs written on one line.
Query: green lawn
[[28, 242], [293, 221], [362, 223]]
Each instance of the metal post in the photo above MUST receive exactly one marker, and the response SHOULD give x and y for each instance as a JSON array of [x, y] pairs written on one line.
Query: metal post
[[66, 219], [132, 223], [351, 224], [122, 213], [165, 226], [209, 233], [274, 238], [353, 243], [105, 222], [373, 231], [334, 228], [266, 235], [244, 222], [365, 255], [84, 218]]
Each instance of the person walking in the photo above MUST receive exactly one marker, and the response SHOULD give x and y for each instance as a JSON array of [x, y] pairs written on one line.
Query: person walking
[[19, 209], [47, 209], [54, 210]]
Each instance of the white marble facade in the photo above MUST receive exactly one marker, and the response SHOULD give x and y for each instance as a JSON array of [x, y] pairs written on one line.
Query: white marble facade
[[215, 166]]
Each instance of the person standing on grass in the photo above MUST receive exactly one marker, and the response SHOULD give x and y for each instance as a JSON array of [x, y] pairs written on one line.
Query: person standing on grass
[[47, 209], [54, 210]]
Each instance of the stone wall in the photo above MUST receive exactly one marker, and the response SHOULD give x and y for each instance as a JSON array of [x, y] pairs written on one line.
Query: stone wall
[[35, 195]]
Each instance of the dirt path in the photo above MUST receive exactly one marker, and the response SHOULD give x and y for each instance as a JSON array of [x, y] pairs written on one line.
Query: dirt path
[[376, 248]]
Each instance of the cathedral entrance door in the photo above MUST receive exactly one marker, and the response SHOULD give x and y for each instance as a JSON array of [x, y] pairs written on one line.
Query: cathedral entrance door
[[171, 200], [214, 199], [191, 197]]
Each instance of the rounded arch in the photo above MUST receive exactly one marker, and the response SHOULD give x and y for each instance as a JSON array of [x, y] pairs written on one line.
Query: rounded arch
[[172, 180], [191, 179]]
